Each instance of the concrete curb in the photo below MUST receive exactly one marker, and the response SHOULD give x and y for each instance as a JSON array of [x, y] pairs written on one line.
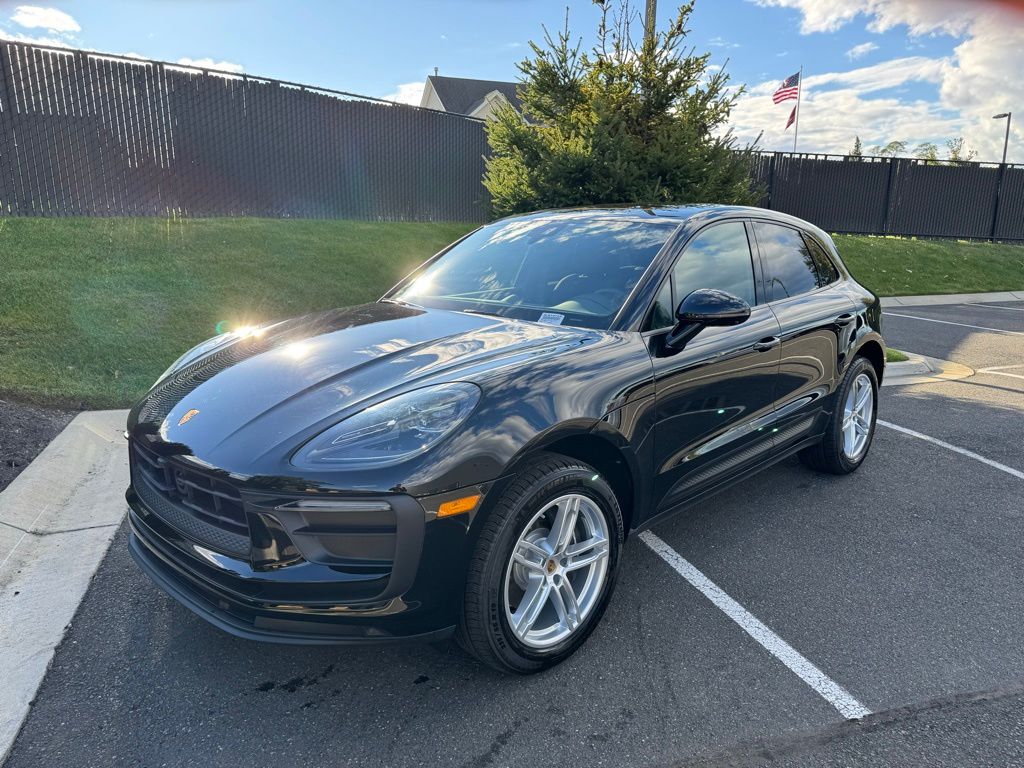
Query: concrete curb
[[57, 520], [951, 298], [923, 370]]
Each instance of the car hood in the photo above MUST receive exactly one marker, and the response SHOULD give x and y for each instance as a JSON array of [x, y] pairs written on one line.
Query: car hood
[[278, 387]]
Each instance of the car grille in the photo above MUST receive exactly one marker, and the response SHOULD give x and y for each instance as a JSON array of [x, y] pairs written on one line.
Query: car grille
[[203, 508]]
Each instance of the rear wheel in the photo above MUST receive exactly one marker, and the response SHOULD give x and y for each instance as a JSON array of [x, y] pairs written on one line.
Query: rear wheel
[[852, 426], [544, 567]]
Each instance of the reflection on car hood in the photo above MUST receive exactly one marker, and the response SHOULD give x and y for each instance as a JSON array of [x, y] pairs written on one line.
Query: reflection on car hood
[[309, 369]]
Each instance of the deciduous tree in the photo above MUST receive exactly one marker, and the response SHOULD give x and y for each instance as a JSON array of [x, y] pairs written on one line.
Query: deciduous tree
[[957, 150]]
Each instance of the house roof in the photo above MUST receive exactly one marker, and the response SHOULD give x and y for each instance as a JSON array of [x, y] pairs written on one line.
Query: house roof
[[464, 94]]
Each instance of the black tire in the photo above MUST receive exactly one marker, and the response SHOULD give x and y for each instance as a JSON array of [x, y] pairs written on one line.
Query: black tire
[[484, 630], [828, 455]]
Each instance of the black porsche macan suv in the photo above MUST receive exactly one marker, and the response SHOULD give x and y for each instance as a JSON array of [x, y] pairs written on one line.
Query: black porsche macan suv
[[467, 454]]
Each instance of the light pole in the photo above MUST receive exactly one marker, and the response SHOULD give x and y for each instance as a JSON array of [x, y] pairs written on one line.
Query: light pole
[[1006, 140]]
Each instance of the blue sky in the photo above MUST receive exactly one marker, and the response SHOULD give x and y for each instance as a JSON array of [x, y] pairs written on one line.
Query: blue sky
[[916, 70]]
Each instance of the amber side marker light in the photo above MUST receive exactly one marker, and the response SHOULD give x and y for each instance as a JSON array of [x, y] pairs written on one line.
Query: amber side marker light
[[458, 506]]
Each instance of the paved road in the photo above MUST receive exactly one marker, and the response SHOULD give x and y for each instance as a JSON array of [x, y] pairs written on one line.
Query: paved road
[[901, 584]]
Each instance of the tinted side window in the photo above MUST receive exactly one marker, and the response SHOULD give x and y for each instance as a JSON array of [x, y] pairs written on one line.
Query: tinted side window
[[823, 266], [718, 257], [663, 314], [789, 268]]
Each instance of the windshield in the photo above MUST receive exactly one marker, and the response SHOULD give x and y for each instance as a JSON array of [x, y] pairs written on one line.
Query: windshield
[[572, 269]]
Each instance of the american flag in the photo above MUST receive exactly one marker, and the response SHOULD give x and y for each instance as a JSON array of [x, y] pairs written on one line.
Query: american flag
[[792, 119], [789, 89]]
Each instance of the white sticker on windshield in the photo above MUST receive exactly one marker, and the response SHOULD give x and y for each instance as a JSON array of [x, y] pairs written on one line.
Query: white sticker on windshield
[[551, 318]]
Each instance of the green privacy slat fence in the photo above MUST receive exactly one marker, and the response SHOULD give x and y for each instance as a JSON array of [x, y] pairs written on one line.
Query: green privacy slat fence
[[88, 134], [896, 196]]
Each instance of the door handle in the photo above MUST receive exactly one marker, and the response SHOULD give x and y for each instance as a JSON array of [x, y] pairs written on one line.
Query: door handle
[[765, 344], [845, 319]]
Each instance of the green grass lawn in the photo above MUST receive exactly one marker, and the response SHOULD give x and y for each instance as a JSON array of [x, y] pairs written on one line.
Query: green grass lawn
[[92, 310], [903, 267], [895, 356]]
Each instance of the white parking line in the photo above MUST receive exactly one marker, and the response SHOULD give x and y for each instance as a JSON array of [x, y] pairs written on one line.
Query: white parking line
[[825, 686], [994, 306], [1000, 370], [950, 322], [1001, 373], [956, 449]]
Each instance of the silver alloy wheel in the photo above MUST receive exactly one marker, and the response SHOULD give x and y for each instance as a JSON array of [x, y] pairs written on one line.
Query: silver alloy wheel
[[557, 571], [857, 413]]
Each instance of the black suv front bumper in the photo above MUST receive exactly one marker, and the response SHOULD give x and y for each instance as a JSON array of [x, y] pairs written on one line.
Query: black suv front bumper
[[280, 594]]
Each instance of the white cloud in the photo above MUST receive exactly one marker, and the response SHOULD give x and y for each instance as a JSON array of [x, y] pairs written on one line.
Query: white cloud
[[829, 120], [56, 29], [407, 93], [836, 106], [983, 79], [718, 42], [46, 41], [59, 29], [208, 63], [980, 79], [876, 77], [859, 51], [885, 74], [920, 16], [50, 19]]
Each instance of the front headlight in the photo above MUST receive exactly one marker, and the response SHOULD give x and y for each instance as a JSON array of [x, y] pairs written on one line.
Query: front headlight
[[392, 431]]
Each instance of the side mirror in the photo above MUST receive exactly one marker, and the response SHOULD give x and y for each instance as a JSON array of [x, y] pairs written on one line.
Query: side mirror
[[704, 307]]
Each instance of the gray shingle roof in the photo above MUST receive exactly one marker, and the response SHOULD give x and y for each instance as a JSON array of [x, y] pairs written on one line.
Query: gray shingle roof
[[464, 94]]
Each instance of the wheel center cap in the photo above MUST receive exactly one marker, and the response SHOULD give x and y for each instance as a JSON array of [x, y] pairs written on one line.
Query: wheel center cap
[[550, 566]]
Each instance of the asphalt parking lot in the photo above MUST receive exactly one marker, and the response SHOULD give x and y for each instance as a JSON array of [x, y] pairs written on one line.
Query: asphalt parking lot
[[900, 584]]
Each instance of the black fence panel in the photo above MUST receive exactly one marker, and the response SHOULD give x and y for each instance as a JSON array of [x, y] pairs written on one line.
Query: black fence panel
[[88, 134], [898, 196], [942, 200], [834, 194], [761, 177], [1010, 216]]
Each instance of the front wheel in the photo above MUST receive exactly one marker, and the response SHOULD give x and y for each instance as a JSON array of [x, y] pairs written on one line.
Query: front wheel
[[852, 425], [544, 567]]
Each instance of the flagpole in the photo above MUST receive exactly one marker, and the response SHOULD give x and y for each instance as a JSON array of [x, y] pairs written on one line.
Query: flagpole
[[799, 96]]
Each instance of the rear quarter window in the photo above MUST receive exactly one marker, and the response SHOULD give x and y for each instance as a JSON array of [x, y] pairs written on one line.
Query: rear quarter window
[[823, 265], [788, 265]]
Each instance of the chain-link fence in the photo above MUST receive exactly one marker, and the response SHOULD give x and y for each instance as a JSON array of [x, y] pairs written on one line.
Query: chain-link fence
[[88, 134]]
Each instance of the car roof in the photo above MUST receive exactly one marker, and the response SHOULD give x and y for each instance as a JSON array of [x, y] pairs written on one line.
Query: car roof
[[624, 211], [700, 212]]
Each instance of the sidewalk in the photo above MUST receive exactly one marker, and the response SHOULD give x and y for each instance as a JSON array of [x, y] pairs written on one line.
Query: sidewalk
[[951, 298], [919, 369], [57, 519]]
